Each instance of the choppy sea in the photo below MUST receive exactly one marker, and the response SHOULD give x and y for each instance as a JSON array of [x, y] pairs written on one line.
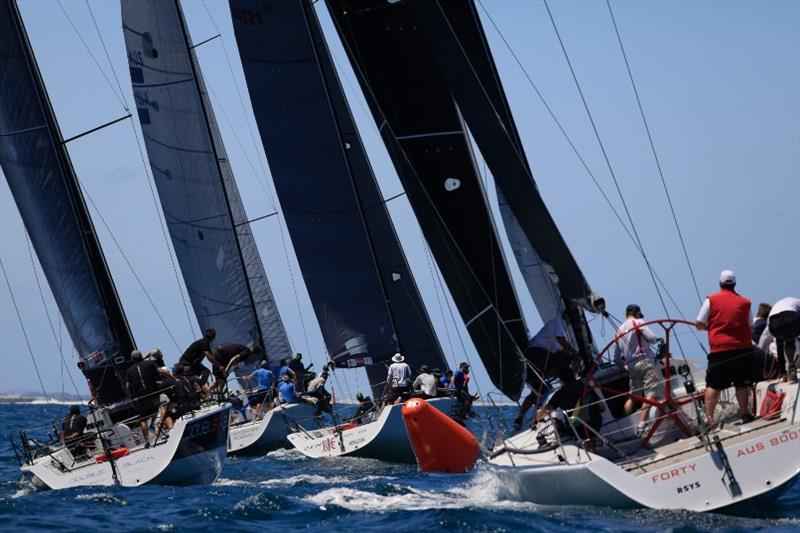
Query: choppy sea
[[285, 491]]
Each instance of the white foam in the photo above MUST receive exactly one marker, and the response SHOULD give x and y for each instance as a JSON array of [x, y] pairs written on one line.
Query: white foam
[[103, 497], [317, 480], [482, 490], [222, 482]]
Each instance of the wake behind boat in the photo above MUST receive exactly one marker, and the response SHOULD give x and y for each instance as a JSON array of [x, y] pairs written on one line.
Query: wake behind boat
[[111, 454]]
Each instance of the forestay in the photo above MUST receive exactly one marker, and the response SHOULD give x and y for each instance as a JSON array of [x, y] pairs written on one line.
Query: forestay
[[213, 242], [46, 190], [363, 293]]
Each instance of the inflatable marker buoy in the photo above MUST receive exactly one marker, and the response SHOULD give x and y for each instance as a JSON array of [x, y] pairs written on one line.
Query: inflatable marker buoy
[[440, 443], [115, 454]]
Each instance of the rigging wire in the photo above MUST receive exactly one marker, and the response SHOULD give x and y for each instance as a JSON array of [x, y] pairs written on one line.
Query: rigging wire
[[655, 154], [575, 150], [119, 97], [124, 102], [127, 261], [24, 331], [605, 157], [59, 344], [108, 56]]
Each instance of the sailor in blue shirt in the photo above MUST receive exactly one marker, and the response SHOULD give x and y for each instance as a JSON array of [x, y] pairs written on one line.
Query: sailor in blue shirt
[[264, 377], [286, 390]]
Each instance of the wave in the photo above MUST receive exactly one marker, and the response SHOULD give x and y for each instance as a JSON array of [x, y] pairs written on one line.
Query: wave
[[482, 491], [101, 497]]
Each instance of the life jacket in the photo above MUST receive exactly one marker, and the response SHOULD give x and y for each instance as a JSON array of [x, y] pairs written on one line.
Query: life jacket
[[772, 403], [729, 322]]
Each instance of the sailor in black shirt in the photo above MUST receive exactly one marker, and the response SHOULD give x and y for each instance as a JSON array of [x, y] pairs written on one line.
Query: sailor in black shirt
[[73, 427], [142, 387], [194, 354], [227, 356]]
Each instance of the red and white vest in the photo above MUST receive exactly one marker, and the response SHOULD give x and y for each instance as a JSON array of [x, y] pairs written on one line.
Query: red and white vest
[[729, 322]]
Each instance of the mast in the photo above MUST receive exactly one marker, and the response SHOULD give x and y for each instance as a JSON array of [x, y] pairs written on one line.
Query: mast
[[219, 171], [42, 179]]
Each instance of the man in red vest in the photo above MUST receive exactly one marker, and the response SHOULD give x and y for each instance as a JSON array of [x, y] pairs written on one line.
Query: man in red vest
[[726, 316]]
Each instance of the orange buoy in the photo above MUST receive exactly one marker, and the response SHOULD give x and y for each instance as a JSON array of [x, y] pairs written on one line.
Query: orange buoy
[[440, 443]]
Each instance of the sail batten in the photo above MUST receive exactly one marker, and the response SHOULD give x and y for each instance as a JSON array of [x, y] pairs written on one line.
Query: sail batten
[[360, 285], [46, 190], [206, 219]]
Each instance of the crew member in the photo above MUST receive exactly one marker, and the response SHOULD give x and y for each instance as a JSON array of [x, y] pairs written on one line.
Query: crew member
[[760, 322], [784, 325], [548, 351], [286, 391], [265, 382], [398, 378], [425, 384], [634, 349], [194, 354], [184, 396], [316, 389], [570, 397], [225, 357], [72, 430], [726, 317], [142, 386], [296, 365], [461, 386], [365, 407]]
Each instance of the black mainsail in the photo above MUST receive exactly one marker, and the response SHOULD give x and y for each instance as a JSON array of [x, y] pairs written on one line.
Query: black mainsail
[[362, 290], [207, 222], [427, 139], [46, 190]]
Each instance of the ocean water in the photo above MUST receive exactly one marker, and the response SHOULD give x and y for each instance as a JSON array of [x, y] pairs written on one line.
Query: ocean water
[[286, 491]]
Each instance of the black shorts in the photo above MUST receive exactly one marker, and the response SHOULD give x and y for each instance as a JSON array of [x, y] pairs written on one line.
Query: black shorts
[[147, 406], [259, 397], [733, 367], [785, 326]]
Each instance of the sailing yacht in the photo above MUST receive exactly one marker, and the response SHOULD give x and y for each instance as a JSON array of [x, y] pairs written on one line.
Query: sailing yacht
[[679, 463], [205, 216], [364, 296], [46, 190]]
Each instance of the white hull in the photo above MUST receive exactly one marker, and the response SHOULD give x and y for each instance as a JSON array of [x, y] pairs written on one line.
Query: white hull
[[764, 458], [192, 454], [385, 438], [257, 437]]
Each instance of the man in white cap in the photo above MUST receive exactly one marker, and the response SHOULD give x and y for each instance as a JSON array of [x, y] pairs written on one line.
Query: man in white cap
[[398, 379], [726, 317]]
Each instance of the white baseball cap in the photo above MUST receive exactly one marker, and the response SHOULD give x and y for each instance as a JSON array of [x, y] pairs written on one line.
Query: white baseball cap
[[397, 358], [727, 277]]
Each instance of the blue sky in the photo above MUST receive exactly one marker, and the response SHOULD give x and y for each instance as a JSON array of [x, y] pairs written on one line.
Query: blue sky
[[719, 82]]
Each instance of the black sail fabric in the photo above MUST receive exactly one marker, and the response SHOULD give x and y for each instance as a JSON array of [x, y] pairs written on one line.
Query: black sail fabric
[[203, 210], [426, 138], [456, 38], [363, 293], [42, 181]]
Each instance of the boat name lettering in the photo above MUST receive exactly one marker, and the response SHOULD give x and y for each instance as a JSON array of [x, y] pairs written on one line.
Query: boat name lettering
[[786, 437], [208, 425], [687, 488], [329, 444], [246, 16], [135, 57], [675, 472], [748, 450]]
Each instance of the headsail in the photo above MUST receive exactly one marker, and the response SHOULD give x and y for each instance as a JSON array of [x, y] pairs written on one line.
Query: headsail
[[428, 142], [46, 190], [459, 44], [219, 260], [363, 293]]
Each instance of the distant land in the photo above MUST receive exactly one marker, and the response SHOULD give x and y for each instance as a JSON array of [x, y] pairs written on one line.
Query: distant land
[[28, 396]]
